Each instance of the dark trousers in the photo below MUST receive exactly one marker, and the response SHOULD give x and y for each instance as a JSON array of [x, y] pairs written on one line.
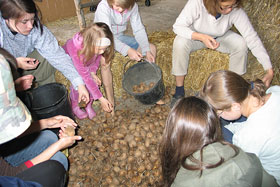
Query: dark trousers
[[49, 174]]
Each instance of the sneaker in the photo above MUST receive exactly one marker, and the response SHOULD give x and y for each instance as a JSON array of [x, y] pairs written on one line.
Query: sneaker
[[175, 99]]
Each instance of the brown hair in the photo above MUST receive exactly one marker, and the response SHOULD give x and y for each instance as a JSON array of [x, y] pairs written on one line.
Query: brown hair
[[213, 5], [90, 35], [191, 125], [125, 4], [14, 9], [222, 88]]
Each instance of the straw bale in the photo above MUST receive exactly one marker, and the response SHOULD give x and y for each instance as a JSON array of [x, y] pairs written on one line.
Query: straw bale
[[265, 17]]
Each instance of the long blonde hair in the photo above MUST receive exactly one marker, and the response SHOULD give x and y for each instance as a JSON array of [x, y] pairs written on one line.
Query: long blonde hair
[[90, 36], [222, 88]]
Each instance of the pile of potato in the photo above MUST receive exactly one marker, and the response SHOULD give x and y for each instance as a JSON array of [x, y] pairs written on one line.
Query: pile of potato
[[143, 87], [119, 150]]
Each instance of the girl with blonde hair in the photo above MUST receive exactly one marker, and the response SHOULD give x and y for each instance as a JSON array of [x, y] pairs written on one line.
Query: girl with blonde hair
[[90, 48]]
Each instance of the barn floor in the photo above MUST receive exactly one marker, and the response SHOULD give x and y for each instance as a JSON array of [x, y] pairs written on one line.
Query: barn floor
[[121, 150]]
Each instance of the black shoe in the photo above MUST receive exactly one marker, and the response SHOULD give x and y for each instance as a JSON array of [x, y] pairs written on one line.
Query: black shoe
[[175, 99]]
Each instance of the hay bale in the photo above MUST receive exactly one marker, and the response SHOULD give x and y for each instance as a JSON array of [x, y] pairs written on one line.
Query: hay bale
[[265, 17]]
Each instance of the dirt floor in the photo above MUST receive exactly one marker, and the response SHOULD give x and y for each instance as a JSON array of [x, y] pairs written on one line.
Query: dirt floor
[[121, 150], [160, 16]]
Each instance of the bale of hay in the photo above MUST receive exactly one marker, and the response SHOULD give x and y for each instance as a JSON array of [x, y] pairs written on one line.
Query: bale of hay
[[265, 17]]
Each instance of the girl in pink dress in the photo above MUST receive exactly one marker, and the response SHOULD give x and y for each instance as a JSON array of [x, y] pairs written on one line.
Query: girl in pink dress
[[90, 48]]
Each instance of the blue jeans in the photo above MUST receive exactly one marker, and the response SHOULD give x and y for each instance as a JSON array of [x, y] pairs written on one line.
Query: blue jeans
[[129, 40], [227, 134], [23, 149]]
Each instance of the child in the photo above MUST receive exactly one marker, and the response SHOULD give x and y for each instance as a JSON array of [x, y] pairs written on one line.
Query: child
[[31, 43], [116, 14], [193, 153], [88, 49], [207, 24], [24, 142], [232, 96]]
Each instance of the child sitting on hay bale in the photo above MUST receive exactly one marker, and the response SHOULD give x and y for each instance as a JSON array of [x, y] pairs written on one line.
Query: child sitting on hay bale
[[207, 24], [116, 14]]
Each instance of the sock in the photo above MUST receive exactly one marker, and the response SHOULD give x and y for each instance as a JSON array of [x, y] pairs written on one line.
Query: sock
[[179, 91]]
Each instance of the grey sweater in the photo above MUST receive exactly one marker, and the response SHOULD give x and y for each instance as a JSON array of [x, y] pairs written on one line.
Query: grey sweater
[[118, 24], [46, 44]]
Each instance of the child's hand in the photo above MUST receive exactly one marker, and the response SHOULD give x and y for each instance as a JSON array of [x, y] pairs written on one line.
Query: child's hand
[[268, 77], [83, 93], [106, 105], [57, 122], [210, 42], [96, 78], [27, 63], [134, 55], [24, 82], [150, 57], [67, 141]]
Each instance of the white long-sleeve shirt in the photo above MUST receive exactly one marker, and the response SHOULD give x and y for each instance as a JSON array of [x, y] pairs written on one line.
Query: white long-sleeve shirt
[[260, 134], [117, 22], [195, 18]]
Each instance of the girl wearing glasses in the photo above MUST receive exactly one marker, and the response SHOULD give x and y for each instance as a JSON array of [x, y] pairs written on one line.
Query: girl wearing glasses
[[193, 152], [207, 24], [232, 96]]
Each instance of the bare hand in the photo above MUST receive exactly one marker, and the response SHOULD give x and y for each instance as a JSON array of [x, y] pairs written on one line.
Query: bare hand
[[83, 93], [96, 78], [27, 63], [268, 77], [24, 83], [106, 105], [210, 42], [67, 141], [134, 55], [150, 57], [57, 122]]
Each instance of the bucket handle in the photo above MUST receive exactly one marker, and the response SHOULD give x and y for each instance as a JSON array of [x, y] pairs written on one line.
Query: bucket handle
[[126, 65], [142, 60]]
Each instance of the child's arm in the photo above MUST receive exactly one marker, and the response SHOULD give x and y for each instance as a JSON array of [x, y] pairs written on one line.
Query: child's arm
[[139, 30], [84, 72], [107, 80], [54, 148], [49, 123]]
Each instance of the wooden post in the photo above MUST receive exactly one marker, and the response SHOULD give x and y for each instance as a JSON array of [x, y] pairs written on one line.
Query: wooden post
[[80, 14]]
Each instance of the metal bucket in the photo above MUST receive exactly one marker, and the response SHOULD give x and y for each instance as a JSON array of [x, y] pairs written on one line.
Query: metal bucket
[[147, 73]]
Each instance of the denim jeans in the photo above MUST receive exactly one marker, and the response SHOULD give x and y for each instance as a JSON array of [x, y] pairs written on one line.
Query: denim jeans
[[129, 40], [227, 134], [23, 149]]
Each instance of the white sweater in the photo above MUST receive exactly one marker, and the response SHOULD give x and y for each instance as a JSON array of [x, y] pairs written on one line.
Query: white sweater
[[195, 18], [260, 134], [118, 24]]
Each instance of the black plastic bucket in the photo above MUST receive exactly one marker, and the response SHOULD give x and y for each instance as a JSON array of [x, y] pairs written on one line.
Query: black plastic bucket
[[50, 100], [147, 73]]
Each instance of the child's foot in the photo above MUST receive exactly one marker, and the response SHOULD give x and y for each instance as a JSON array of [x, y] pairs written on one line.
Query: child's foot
[[79, 113], [90, 112]]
